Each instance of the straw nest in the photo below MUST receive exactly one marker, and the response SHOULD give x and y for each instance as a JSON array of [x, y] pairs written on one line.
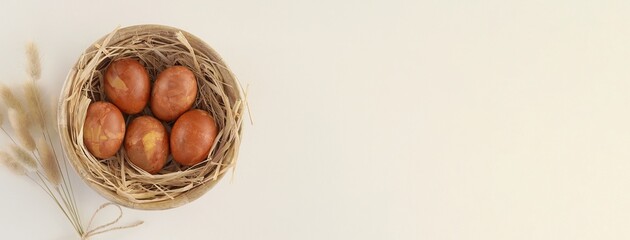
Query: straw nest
[[157, 47]]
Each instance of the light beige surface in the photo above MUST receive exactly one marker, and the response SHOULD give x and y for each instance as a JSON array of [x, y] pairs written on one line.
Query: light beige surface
[[381, 120]]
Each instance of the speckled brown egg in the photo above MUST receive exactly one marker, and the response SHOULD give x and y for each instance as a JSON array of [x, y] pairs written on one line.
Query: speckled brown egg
[[103, 129], [174, 92], [146, 144], [192, 137], [127, 85]]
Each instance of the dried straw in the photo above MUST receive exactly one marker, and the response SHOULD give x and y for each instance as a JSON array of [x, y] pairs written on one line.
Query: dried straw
[[48, 161], [156, 47], [19, 124], [34, 69], [24, 157], [51, 114], [10, 100], [14, 166], [32, 95]]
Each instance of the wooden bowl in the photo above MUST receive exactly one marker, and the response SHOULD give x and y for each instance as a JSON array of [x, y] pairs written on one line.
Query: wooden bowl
[[156, 47]]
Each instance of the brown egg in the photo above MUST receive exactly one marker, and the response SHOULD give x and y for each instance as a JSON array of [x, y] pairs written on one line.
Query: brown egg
[[174, 92], [146, 143], [192, 137], [103, 130], [127, 85]]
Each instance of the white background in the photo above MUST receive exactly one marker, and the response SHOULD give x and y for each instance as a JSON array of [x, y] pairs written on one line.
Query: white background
[[378, 119]]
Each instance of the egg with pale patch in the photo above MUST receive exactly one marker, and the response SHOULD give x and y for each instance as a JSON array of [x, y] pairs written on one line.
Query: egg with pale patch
[[127, 85], [147, 144], [103, 129]]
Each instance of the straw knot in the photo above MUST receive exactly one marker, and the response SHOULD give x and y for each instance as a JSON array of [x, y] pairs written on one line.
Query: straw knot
[[103, 228]]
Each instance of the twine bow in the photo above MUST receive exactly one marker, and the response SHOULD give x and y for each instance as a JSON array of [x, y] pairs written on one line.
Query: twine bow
[[103, 228]]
